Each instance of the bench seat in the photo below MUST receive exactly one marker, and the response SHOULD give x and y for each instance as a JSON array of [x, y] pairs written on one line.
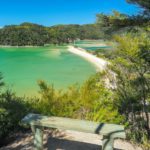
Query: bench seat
[[108, 131]]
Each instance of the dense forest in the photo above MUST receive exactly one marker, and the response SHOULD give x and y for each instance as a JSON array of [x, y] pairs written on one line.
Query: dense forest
[[38, 35]]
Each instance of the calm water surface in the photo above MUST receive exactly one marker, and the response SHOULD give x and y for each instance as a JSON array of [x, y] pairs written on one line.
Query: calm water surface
[[92, 45], [23, 67]]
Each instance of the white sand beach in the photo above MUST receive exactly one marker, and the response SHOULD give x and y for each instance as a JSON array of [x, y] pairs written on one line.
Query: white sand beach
[[100, 63]]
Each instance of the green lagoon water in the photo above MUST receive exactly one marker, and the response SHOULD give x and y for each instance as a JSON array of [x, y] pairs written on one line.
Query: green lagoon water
[[23, 67], [91, 45]]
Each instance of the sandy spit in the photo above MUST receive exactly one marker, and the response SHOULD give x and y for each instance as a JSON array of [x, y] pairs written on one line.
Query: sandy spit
[[100, 63]]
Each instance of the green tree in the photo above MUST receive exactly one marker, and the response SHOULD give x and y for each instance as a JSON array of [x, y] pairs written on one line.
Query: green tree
[[142, 3], [132, 67]]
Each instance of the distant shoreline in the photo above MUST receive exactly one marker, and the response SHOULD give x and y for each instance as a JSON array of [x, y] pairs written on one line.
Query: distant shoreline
[[29, 46], [9, 46], [100, 63]]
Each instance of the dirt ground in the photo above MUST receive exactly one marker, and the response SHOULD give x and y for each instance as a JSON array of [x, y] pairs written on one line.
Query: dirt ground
[[66, 140]]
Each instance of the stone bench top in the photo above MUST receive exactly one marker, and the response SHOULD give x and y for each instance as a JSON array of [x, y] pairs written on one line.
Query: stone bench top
[[110, 130]]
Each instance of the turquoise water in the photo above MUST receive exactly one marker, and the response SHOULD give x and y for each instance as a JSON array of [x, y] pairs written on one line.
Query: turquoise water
[[23, 67], [89, 41], [94, 48], [91, 45]]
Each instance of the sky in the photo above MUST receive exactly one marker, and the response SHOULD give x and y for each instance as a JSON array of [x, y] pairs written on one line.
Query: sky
[[52, 12]]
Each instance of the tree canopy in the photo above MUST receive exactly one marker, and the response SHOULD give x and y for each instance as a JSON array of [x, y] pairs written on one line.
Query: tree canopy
[[38, 35]]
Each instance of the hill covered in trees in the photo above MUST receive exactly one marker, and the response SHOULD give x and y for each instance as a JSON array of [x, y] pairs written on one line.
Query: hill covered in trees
[[38, 35]]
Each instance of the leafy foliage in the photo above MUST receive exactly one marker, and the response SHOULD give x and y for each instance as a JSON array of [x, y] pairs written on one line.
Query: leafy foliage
[[132, 67], [118, 23], [12, 110], [91, 101]]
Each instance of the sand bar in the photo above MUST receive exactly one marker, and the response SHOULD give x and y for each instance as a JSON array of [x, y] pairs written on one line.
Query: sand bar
[[100, 63]]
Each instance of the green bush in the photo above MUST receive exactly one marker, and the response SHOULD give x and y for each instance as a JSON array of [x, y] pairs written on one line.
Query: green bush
[[12, 110], [4, 119], [132, 65], [91, 101]]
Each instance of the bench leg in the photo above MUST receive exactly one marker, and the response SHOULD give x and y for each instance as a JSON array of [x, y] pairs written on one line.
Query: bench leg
[[38, 137], [107, 144]]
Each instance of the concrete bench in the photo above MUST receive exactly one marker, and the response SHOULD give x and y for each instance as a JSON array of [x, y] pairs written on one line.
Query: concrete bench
[[38, 122]]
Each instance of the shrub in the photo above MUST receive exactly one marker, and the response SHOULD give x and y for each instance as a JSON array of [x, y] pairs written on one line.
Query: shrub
[[132, 66], [12, 110], [91, 101]]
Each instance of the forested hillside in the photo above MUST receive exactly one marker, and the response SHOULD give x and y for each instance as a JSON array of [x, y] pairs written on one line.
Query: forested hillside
[[38, 35]]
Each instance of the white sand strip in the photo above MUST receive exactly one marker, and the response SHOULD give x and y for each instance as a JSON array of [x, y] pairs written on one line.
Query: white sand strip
[[100, 63]]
